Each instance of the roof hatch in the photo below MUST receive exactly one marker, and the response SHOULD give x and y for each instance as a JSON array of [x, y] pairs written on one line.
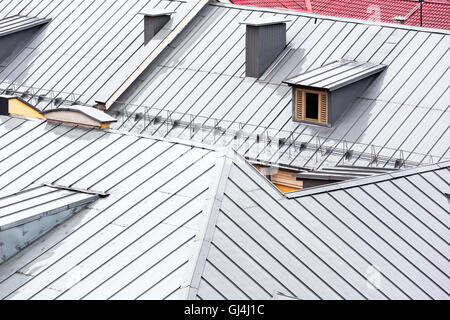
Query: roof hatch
[[27, 215], [15, 31], [12, 105]]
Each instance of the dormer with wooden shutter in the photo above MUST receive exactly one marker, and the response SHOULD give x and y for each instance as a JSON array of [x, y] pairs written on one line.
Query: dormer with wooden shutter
[[322, 95]]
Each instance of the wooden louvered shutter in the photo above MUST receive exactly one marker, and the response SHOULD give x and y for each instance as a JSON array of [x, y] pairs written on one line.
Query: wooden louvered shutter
[[324, 108], [298, 105]]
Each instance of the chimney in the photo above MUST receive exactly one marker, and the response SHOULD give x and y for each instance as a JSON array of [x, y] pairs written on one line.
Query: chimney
[[154, 20], [265, 40]]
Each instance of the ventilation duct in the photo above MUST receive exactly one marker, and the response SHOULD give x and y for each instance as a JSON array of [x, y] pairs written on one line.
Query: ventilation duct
[[265, 40]]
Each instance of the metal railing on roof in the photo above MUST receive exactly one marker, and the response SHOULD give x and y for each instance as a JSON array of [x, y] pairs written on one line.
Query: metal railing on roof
[[164, 123]]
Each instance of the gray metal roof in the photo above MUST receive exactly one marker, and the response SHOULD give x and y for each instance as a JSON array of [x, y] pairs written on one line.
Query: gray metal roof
[[384, 239], [200, 81], [91, 112], [88, 50], [336, 75], [185, 220], [135, 243], [18, 23]]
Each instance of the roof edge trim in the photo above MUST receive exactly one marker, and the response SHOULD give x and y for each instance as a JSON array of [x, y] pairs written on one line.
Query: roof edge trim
[[367, 180]]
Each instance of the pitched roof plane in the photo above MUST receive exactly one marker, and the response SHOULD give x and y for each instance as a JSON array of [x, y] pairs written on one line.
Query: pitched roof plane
[[185, 221], [402, 116]]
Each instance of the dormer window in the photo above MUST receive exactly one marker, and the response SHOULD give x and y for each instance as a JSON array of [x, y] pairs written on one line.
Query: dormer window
[[311, 106], [322, 95]]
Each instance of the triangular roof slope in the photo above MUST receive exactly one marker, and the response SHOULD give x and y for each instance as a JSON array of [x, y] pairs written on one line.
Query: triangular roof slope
[[356, 242]]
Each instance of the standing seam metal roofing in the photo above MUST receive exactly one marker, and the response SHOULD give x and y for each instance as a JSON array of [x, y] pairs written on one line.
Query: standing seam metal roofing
[[88, 49], [200, 81], [186, 221]]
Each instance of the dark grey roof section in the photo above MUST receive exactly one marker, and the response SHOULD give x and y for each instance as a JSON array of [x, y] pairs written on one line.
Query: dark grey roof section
[[200, 85], [336, 75], [26, 216], [342, 173], [19, 23], [91, 112], [38, 202]]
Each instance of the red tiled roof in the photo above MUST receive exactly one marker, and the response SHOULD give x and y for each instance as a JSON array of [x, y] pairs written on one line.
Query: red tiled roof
[[435, 13]]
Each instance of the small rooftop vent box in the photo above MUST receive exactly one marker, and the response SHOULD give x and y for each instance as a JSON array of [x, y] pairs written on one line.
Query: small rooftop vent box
[[80, 115], [154, 20], [12, 105], [265, 40], [322, 95]]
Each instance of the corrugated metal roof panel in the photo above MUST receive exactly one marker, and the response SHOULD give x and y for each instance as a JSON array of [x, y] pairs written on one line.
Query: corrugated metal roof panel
[[335, 244]]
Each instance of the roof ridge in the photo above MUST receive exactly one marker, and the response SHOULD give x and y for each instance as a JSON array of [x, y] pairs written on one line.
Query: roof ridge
[[203, 240], [368, 180]]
